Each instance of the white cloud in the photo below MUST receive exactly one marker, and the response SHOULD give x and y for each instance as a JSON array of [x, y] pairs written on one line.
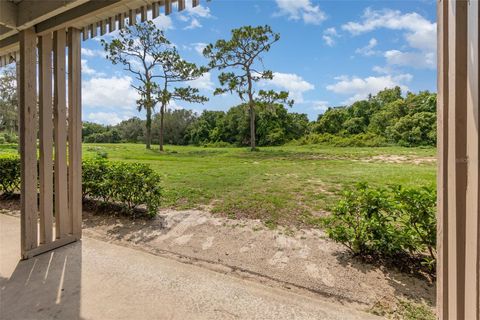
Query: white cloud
[[368, 50], [204, 82], [329, 36], [193, 14], [382, 70], [163, 22], [111, 93], [198, 11], [417, 60], [86, 69], [320, 105], [290, 82], [109, 118], [301, 10], [420, 35], [92, 53], [194, 24], [360, 88], [199, 46]]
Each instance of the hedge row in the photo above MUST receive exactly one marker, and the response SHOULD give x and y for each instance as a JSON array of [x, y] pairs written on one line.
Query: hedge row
[[386, 222], [129, 184], [9, 174]]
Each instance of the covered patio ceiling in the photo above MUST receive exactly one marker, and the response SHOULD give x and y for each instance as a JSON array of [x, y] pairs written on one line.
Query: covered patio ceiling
[[93, 17]]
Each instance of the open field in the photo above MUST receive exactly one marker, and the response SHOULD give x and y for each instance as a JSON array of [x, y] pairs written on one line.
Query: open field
[[287, 185]]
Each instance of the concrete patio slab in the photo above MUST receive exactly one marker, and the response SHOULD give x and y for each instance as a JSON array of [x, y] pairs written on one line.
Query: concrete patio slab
[[92, 279]]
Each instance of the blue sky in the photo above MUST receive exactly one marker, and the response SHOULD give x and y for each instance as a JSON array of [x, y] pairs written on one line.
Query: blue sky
[[330, 52]]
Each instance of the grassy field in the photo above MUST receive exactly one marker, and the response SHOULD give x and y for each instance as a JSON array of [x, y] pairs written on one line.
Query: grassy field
[[280, 185]]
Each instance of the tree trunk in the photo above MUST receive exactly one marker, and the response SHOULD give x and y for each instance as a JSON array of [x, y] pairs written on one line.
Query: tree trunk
[[148, 138], [162, 113], [252, 128]]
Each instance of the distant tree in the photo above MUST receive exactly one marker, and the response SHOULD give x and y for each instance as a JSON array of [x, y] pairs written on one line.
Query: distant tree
[[138, 48], [91, 128], [332, 121], [132, 130], [175, 70], [8, 101], [176, 123], [242, 56], [208, 127], [145, 52]]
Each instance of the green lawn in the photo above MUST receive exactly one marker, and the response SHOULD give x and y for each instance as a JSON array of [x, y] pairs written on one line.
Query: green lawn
[[280, 185]]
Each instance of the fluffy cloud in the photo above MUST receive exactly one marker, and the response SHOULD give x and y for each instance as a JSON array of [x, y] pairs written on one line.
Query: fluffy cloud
[[420, 34], [192, 15], [320, 105], [109, 93], [204, 82], [163, 22], [417, 60], [329, 36], [301, 10], [86, 69], [109, 118], [199, 46], [368, 50], [360, 88], [194, 24], [290, 82], [198, 11], [92, 53]]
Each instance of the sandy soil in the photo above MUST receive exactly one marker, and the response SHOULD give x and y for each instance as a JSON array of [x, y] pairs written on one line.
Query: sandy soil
[[300, 260]]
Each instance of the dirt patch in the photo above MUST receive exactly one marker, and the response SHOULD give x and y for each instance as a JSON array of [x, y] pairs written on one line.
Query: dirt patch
[[400, 159], [302, 260]]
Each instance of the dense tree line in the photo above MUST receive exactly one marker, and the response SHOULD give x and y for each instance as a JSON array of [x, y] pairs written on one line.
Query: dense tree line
[[275, 126], [386, 118], [407, 121]]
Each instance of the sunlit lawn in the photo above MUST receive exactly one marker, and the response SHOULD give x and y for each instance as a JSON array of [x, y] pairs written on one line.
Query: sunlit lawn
[[280, 185]]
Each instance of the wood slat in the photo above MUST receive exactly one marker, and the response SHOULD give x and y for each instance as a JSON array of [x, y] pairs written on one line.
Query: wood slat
[[155, 10], [46, 138], [103, 27], [457, 156], [132, 17], [62, 217], [143, 13], [93, 30], [442, 155], [75, 131], [181, 5], [85, 33], [472, 231], [168, 7], [121, 20], [111, 24], [49, 246], [28, 140]]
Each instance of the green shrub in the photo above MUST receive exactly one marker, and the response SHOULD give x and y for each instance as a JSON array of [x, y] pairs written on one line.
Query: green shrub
[[2, 140], [135, 184], [129, 184], [95, 180], [10, 138], [9, 174], [218, 144], [386, 222]]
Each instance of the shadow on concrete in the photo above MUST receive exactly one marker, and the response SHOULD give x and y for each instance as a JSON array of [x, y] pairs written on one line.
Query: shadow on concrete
[[47, 286]]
